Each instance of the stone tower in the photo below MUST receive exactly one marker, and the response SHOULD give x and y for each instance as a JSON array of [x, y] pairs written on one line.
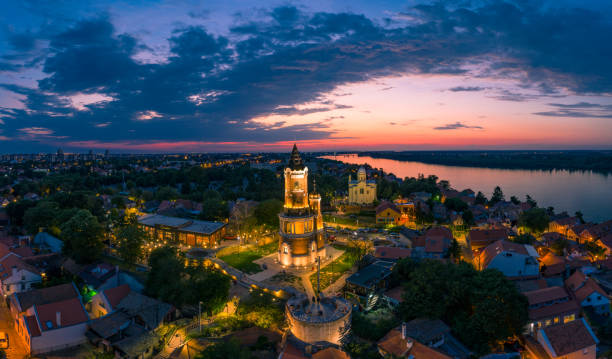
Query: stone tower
[[301, 225]]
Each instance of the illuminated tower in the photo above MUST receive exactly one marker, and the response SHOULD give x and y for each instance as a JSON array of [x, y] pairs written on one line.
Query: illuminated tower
[[301, 224]]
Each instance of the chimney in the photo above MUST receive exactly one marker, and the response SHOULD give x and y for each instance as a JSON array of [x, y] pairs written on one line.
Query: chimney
[[404, 331], [58, 319]]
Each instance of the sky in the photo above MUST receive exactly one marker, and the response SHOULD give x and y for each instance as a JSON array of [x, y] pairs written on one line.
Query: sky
[[234, 76]]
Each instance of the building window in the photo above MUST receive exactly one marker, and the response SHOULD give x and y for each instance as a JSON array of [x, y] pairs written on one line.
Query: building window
[[361, 191], [285, 249]]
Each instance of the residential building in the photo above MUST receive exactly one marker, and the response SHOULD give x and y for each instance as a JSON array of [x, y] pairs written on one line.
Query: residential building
[[398, 344], [549, 306], [588, 293], [48, 242], [574, 340], [49, 319], [392, 253], [372, 278], [16, 275], [388, 213], [361, 191], [480, 238], [515, 261]]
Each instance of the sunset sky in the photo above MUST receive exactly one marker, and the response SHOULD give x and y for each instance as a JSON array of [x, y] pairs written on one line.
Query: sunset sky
[[222, 76]]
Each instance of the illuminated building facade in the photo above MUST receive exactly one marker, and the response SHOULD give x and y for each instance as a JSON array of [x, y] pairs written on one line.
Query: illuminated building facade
[[301, 223], [189, 232], [361, 190]]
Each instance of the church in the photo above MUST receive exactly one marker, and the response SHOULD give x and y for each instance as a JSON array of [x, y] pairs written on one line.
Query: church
[[361, 190], [301, 232]]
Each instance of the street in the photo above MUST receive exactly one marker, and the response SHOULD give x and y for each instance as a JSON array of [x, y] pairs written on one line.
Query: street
[[16, 348]]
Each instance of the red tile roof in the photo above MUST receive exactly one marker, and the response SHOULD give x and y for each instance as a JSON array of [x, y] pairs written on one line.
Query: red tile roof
[[544, 295], [576, 280], [7, 264], [71, 313], [570, 337], [582, 286], [483, 237], [291, 352], [32, 325], [393, 343], [392, 252], [395, 293], [115, 295], [386, 205], [493, 249]]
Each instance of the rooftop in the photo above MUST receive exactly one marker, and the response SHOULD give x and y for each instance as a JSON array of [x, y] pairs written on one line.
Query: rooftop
[[184, 224]]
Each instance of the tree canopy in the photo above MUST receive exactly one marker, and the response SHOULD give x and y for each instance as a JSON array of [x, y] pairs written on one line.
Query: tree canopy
[[482, 307], [82, 235]]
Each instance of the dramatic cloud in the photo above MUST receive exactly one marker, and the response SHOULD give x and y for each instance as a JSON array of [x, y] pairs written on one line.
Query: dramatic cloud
[[456, 126], [285, 61], [578, 110], [466, 89]]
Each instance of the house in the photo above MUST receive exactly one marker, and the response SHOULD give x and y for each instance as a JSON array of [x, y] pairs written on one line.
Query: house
[[552, 265], [550, 306], [606, 243], [435, 334], [372, 278], [107, 300], [48, 242], [563, 225], [398, 344], [393, 296], [434, 243], [569, 341], [388, 213], [515, 261], [49, 319], [480, 238], [392, 253], [16, 275], [588, 293], [126, 321]]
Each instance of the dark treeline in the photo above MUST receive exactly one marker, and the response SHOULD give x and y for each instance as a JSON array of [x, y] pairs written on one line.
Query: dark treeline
[[596, 161]]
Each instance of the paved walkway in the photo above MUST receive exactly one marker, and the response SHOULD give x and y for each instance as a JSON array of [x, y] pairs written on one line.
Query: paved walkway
[[16, 348]]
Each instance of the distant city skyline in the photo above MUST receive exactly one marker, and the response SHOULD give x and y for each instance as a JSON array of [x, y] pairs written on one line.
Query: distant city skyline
[[247, 76]]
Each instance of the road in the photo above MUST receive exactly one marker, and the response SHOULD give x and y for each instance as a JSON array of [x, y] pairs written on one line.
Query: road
[[16, 348]]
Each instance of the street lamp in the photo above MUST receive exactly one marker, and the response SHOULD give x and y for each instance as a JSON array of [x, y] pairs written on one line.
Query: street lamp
[[200, 315]]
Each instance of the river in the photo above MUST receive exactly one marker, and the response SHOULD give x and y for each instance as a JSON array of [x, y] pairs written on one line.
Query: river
[[588, 192]]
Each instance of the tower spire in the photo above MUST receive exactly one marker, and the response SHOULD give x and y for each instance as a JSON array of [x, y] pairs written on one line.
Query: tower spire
[[295, 162]]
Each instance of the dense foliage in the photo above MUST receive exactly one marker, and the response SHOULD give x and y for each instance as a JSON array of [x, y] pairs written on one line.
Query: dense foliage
[[171, 281], [482, 307]]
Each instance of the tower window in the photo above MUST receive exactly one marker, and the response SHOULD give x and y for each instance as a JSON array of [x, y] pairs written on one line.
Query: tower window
[[285, 249]]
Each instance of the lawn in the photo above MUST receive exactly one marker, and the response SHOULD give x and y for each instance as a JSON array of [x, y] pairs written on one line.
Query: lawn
[[331, 272], [243, 259]]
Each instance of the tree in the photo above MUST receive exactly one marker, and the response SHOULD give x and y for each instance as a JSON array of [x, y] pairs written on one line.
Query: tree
[[525, 238], [531, 201], [165, 280], [534, 220], [498, 196], [594, 249], [267, 212], [468, 217], [515, 200], [214, 208], [209, 287], [455, 204], [580, 217], [225, 349], [42, 216], [482, 307], [131, 238], [83, 236], [16, 211], [118, 202], [480, 198], [454, 251], [166, 193]]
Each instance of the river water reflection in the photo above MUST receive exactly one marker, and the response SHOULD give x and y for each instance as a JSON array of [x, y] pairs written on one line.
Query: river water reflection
[[568, 191]]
